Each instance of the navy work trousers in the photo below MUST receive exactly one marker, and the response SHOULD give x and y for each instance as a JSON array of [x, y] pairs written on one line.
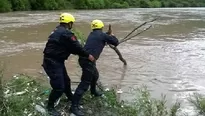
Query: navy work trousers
[[89, 77], [59, 79]]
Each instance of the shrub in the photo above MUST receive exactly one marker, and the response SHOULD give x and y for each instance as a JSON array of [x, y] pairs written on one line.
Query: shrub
[[155, 4], [198, 101], [50, 5], [22, 95], [20, 5], [5, 6]]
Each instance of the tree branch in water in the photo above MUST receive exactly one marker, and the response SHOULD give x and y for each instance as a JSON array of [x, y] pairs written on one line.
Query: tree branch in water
[[128, 38], [124, 40], [119, 54], [139, 27], [115, 48]]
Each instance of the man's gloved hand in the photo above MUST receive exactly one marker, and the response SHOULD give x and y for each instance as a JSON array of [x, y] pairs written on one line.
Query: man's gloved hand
[[91, 58], [111, 34]]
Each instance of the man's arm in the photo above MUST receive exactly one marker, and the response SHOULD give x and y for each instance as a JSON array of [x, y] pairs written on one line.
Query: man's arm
[[71, 42], [111, 39]]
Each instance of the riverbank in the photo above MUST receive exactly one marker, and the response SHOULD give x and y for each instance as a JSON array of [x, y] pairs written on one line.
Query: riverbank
[[168, 58], [26, 5], [23, 95]]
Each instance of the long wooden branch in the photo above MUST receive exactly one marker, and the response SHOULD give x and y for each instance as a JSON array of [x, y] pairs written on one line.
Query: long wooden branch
[[124, 40], [115, 48], [139, 27], [99, 84], [119, 54]]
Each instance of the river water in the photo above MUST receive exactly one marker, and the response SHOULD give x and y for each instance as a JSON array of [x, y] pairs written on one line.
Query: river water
[[168, 58]]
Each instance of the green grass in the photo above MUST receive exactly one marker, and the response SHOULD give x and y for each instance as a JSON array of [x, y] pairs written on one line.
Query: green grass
[[108, 105], [198, 101], [30, 94], [80, 36]]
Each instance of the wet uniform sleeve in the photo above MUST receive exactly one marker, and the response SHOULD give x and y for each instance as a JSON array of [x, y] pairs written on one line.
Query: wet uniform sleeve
[[111, 39], [70, 40]]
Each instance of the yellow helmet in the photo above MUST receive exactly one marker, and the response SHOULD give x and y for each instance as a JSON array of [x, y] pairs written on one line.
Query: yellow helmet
[[66, 18], [97, 24]]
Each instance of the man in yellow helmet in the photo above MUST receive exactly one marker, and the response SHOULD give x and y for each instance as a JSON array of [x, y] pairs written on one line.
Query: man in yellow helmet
[[94, 46], [61, 43]]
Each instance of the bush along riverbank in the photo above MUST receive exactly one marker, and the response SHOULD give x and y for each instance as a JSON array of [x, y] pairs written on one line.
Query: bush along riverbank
[[23, 95], [24, 5]]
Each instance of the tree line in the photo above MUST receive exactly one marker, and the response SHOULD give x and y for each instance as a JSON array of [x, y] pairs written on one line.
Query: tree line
[[24, 5]]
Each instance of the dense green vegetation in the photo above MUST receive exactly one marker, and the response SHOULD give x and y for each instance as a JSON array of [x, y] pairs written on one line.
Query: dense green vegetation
[[21, 5], [22, 95]]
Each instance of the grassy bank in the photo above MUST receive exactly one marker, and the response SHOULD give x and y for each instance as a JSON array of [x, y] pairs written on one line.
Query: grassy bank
[[24, 5], [24, 96]]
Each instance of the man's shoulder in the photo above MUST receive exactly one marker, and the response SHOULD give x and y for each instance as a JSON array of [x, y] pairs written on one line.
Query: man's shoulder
[[63, 29], [99, 33], [67, 31]]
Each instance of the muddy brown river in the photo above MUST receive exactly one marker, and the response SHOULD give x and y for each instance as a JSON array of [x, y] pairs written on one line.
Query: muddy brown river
[[169, 58]]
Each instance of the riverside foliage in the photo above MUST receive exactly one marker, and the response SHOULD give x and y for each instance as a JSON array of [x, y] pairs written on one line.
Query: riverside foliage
[[24, 5]]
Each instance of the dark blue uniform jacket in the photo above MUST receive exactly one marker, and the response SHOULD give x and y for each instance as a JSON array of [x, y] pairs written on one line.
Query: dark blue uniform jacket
[[61, 43], [96, 42]]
